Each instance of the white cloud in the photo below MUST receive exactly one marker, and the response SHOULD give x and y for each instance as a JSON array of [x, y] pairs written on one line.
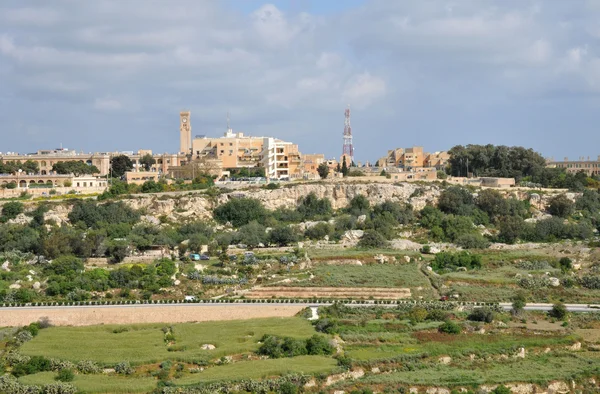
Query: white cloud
[[363, 90], [107, 104]]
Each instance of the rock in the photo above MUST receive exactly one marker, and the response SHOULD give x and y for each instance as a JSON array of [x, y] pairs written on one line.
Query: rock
[[437, 390], [5, 266], [577, 267], [361, 219], [520, 353], [29, 278], [21, 219], [547, 350], [429, 269], [353, 235], [37, 285], [413, 390], [208, 346], [480, 331], [381, 259], [150, 220], [574, 347], [311, 383], [445, 360], [14, 286], [375, 370], [407, 259], [108, 371], [558, 388], [472, 357], [554, 282], [177, 282]]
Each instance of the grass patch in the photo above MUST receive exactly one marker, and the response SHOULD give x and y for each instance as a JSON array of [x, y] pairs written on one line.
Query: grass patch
[[436, 344], [258, 369], [374, 275], [96, 383], [144, 343], [536, 369]]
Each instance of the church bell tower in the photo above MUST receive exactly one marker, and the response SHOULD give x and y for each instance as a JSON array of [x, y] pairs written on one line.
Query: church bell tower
[[185, 133]]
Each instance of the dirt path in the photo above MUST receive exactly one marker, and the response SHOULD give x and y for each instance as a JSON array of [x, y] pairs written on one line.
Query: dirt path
[[435, 290], [87, 316]]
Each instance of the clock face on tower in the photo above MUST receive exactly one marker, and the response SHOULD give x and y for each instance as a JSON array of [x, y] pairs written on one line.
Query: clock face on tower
[[184, 120]]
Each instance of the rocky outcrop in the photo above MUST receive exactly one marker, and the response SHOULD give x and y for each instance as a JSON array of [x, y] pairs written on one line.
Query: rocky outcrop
[[341, 194]]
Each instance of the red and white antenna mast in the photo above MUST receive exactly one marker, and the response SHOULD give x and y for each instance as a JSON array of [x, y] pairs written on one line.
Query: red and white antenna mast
[[348, 149]]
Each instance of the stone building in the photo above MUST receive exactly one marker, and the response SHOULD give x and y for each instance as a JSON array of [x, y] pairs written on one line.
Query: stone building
[[590, 167]]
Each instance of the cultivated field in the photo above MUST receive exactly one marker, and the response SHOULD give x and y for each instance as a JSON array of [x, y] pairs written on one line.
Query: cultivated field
[[328, 292], [144, 344]]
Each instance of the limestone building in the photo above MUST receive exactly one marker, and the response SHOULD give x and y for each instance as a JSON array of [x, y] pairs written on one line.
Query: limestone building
[[590, 167]]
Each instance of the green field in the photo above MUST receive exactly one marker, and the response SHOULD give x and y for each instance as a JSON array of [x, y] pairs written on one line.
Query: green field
[[372, 275], [258, 369], [534, 369], [96, 383], [144, 343], [455, 345]]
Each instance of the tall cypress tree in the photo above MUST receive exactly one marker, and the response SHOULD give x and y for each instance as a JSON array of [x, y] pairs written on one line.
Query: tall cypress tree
[[345, 167]]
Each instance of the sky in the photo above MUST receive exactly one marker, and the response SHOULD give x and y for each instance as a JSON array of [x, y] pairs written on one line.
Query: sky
[[113, 75]]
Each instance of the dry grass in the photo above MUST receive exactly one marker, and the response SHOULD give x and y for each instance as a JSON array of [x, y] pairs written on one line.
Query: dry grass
[[87, 316]]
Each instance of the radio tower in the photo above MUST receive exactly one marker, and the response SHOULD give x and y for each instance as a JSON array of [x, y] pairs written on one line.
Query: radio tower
[[348, 149]]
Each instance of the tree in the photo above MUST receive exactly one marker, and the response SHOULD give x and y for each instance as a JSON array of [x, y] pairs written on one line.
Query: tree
[[502, 389], [12, 209], [559, 311], [282, 235], [120, 165], [371, 240], [323, 170], [511, 228], [147, 161], [359, 205], [561, 206], [310, 207], [518, 303], [251, 234], [344, 167], [454, 198], [491, 202], [240, 211], [76, 167], [482, 314], [151, 186]]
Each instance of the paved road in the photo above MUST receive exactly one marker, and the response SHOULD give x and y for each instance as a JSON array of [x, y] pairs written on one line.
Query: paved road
[[506, 306]]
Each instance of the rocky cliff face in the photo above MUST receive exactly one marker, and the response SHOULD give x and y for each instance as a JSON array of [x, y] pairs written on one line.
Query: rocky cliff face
[[341, 194], [198, 206]]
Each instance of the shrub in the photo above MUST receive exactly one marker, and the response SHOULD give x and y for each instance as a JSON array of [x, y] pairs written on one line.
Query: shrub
[[87, 366], [448, 260], [472, 241], [558, 311], [288, 388], [240, 211], [454, 200], [482, 314], [12, 209], [124, 368], [565, 264], [319, 231], [561, 206], [59, 388], [371, 240], [65, 375], [450, 327], [501, 390]]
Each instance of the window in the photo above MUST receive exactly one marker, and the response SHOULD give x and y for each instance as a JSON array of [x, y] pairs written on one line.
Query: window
[[222, 152]]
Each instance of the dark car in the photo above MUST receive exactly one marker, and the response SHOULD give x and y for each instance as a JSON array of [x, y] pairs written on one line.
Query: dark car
[[204, 257]]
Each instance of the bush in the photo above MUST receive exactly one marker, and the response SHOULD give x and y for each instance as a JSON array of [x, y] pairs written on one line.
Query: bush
[[565, 264], [482, 314], [240, 211], [371, 240], [558, 311], [472, 241], [65, 375], [501, 390], [455, 199], [288, 388], [561, 206], [124, 368], [319, 231], [450, 327], [12, 209], [448, 260]]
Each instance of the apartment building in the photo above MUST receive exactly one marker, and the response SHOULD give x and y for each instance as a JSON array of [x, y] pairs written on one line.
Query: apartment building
[[590, 167], [413, 158]]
